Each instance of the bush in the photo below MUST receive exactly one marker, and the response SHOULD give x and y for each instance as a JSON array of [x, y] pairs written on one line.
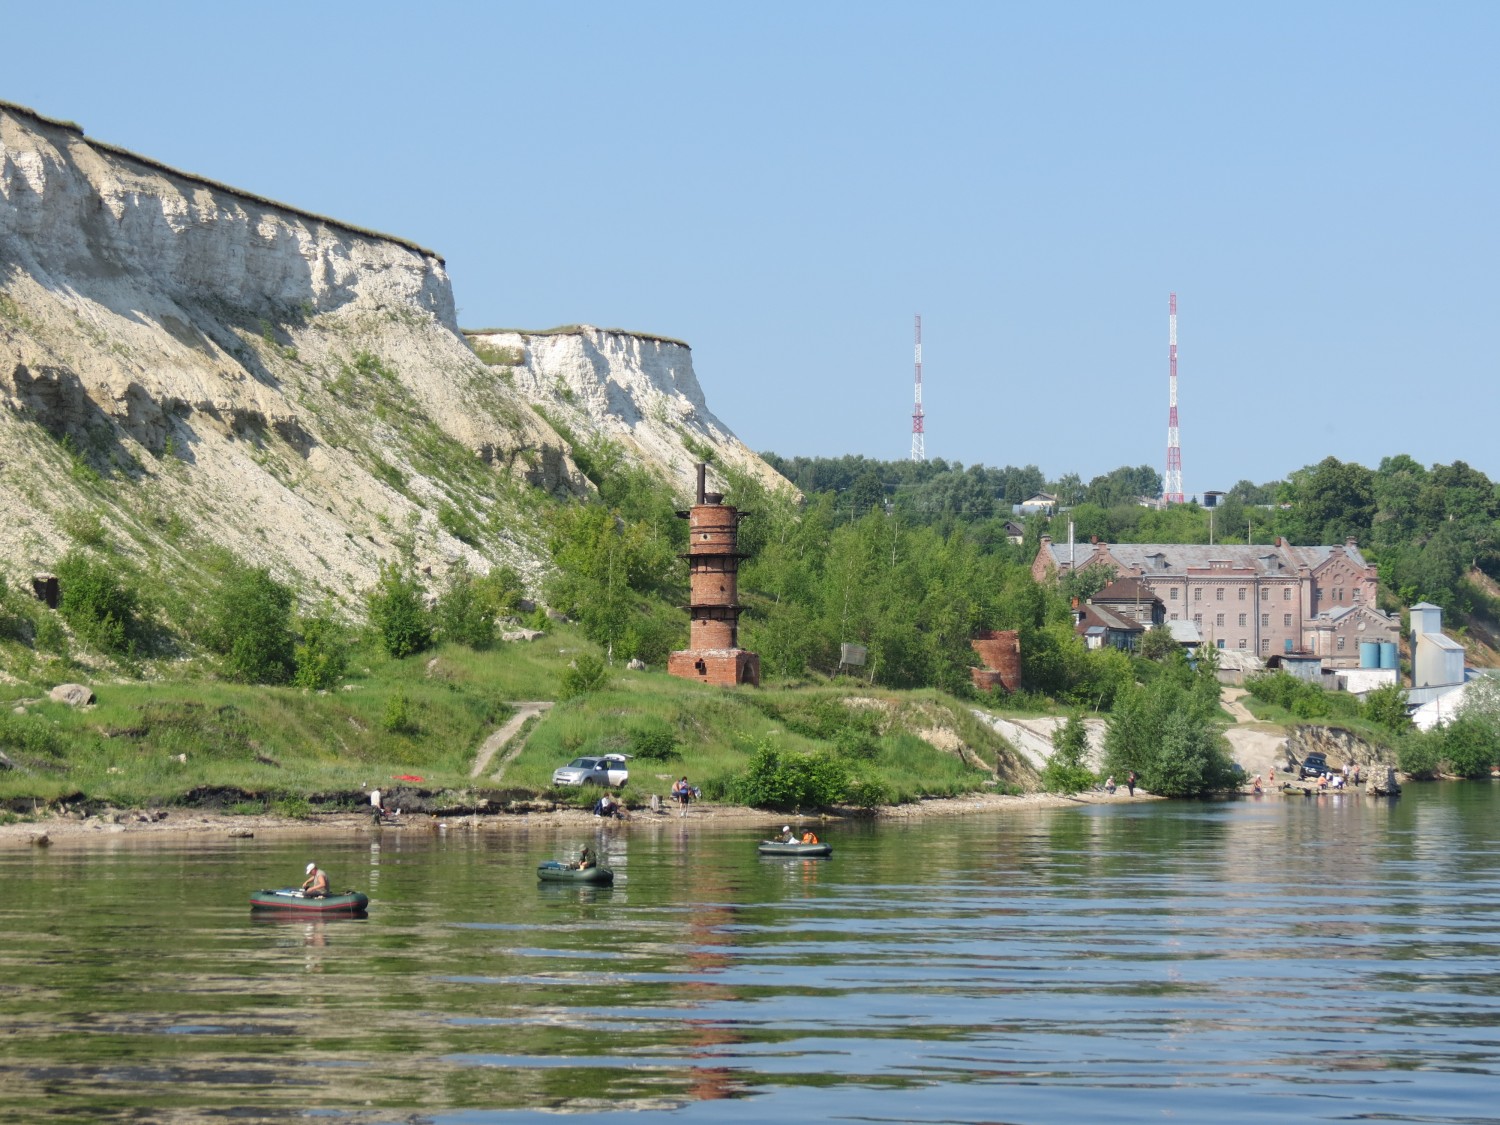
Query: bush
[[462, 616], [654, 743], [397, 612], [322, 655], [249, 624], [1066, 772], [1386, 707], [585, 674], [397, 718], [1470, 746], [1418, 754], [785, 780], [97, 605], [856, 743]]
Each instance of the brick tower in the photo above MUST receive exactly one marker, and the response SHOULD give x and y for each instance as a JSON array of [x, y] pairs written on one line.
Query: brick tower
[[713, 655]]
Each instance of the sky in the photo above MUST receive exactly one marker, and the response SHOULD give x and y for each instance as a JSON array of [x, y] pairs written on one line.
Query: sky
[[786, 185]]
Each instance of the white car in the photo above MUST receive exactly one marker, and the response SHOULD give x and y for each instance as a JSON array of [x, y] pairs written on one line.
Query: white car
[[606, 769]]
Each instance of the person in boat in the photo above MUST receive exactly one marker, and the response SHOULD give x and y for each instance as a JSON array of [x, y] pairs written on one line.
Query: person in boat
[[585, 860], [316, 883], [809, 837], [787, 835]]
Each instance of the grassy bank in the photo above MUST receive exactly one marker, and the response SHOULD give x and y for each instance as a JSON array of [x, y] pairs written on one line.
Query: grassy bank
[[276, 749]]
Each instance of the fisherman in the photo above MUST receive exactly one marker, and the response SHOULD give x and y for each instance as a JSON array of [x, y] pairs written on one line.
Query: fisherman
[[316, 883], [585, 859], [787, 835], [809, 837]]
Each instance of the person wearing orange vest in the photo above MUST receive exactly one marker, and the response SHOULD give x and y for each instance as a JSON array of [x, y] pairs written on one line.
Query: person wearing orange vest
[[809, 837]]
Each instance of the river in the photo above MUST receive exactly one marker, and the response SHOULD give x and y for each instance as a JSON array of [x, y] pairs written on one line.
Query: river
[[1321, 959]]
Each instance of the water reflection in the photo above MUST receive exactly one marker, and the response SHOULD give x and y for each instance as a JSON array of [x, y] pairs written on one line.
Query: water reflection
[[1310, 959]]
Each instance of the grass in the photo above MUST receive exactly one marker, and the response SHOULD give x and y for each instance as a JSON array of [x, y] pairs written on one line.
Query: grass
[[287, 750]]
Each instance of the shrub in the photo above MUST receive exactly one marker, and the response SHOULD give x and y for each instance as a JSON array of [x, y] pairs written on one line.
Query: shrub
[[1066, 771], [249, 624], [785, 780], [461, 615], [856, 743], [96, 604], [322, 655], [1470, 746], [1386, 707], [397, 612], [585, 674], [655, 742], [397, 717], [1418, 755]]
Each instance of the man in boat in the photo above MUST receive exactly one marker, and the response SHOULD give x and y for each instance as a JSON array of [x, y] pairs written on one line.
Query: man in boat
[[316, 883], [585, 859], [787, 835], [809, 837]]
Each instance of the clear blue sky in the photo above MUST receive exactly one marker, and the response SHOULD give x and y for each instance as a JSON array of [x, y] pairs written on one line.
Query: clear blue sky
[[784, 185]]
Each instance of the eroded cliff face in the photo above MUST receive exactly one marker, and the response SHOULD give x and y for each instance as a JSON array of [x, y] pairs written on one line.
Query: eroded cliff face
[[177, 356], [636, 390]]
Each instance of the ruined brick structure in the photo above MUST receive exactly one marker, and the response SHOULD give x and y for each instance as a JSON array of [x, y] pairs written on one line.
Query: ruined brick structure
[[1001, 653], [713, 655]]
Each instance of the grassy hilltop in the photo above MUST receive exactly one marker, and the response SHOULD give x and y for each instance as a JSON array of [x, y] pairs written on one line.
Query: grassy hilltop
[[287, 750]]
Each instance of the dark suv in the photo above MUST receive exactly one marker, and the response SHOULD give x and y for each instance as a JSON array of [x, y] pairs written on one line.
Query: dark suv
[[1315, 765]]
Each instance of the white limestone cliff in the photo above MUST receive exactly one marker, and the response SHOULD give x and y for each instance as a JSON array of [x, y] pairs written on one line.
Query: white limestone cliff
[[637, 390], [184, 365]]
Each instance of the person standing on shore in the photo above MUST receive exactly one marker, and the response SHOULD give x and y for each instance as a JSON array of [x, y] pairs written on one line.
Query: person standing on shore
[[1130, 782], [682, 793]]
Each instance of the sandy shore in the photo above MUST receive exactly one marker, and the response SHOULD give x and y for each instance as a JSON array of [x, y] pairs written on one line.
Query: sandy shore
[[190, 822]]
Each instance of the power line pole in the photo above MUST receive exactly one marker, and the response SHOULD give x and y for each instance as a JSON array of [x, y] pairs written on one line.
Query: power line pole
[[1172, 486]]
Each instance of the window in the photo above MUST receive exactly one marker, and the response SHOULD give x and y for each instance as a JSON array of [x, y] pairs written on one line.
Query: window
[[1264, 593], [1357, 593], [1219, 621], [1198, 620], [1265, 644], [1173, 595], [1265, 620], [1242, 621], [1242, 642], [1286, 619], [1174, 617], [1197, 593], [1221, 642], [1219, 593], [1286, 593], [1242, 593], [1340, 644]]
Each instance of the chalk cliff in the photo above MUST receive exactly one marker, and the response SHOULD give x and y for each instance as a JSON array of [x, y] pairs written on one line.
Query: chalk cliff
[[184, 365], [636, 390]]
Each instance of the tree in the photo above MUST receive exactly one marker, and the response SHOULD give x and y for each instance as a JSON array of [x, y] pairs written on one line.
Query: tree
[[462, 616], [398, 612], [1066, 771], [1386, 706], [321, 654], [585, 674], [249, 624], [1470, 746], [1157, 643]]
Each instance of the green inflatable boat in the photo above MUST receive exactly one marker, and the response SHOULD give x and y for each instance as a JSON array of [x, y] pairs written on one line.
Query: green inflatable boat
[[778, 847], [554, 872], [290, 900]]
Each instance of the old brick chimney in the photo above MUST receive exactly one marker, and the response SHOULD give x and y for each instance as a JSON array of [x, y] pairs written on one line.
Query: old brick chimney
[[713, 655]]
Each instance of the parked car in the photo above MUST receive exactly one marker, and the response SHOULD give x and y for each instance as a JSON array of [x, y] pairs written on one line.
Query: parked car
[[1315, 764], [604, 769]]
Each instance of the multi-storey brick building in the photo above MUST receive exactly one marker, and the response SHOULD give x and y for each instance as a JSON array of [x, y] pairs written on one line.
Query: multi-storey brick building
[[1259, 599]]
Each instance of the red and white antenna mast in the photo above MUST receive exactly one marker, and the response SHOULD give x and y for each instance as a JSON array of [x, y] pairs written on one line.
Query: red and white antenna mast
[[1172, 484], [918, 432]]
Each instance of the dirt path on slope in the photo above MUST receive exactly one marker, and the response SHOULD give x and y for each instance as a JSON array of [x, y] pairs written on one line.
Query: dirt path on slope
[[524, 711]]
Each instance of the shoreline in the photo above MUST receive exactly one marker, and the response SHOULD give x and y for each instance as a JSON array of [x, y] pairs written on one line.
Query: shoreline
[[134, 824]]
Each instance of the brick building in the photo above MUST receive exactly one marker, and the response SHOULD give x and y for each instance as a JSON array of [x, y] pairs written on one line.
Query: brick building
[[1258, 599]]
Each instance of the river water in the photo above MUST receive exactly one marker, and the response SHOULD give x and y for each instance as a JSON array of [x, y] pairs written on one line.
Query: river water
[[1321, 959]]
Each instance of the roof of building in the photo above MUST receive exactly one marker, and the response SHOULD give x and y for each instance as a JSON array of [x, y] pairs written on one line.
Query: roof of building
[[1184, 632], [1337, 613], [1094, 616], [1426, 605], [1441, 641], [1269, 561], [1128, 590]]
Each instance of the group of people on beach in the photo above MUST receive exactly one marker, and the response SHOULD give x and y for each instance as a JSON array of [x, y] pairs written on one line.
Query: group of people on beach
[[1110, 785]]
